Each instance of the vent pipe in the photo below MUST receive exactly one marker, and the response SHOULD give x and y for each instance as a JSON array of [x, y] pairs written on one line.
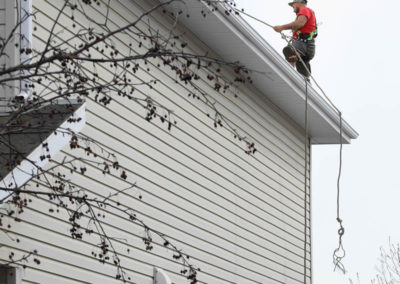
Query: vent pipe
[[160, 277], [26, 46]]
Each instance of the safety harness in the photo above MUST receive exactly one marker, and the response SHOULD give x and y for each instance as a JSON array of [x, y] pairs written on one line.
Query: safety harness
[[310, 36]]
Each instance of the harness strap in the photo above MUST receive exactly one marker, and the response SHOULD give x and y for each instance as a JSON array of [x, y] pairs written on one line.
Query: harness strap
[[313, 34]]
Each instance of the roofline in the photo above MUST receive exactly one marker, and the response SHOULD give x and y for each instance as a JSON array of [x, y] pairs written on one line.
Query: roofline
[[288, 73], [324, 123]]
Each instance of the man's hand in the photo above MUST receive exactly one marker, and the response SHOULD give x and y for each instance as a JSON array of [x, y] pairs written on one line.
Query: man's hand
[[278, 29]]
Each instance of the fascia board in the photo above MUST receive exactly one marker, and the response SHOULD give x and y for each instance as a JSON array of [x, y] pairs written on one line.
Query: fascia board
[[29, 166]]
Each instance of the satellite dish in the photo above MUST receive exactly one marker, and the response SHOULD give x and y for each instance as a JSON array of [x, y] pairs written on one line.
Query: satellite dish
[[160, 277]]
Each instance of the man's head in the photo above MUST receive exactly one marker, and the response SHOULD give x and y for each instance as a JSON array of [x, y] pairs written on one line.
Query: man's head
[[297, 5]]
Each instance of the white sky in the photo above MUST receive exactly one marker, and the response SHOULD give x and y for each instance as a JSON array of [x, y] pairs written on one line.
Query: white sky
[[356, 64]]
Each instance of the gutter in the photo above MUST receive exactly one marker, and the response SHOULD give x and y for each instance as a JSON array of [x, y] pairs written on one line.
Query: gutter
[[232, 38], [295, 80]]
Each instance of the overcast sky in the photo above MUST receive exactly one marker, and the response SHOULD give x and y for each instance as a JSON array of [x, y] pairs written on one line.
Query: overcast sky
[[357, 65]]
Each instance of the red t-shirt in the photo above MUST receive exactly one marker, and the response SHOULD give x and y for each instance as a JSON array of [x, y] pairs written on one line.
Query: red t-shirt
[[310, 24]]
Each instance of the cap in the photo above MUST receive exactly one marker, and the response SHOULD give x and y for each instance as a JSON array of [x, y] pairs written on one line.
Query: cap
[[297, 1]]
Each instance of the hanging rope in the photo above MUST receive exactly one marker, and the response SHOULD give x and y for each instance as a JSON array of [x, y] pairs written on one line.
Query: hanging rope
[[254, 18], [339, 253], [305, 180]]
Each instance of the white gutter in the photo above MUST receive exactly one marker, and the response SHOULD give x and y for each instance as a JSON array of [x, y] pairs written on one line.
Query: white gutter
[[316, 101], [26, 45]]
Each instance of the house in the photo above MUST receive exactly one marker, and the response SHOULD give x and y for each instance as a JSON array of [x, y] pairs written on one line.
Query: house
[[228, 185]]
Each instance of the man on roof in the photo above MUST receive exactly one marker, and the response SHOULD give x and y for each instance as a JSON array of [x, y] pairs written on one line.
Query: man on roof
[[304, 32]]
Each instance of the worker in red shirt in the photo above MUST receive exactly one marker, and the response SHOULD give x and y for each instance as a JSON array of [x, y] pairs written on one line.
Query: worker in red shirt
[[304, 33]]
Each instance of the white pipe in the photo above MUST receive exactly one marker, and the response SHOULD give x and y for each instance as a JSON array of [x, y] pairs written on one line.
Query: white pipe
[[26, 45]]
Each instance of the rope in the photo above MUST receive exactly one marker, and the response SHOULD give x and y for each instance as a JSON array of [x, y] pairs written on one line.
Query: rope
[[288, 39], [258, 20], [339, 253], [305, 181], [254, 18]]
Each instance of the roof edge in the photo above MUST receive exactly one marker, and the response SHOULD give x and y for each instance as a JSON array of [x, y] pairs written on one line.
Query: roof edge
[[292, 76]]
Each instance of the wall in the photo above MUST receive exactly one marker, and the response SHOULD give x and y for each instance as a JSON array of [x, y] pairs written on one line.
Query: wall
[[239, 217]]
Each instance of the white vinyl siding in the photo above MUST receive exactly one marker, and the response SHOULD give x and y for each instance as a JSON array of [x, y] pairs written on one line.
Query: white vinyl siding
[[239, 217]]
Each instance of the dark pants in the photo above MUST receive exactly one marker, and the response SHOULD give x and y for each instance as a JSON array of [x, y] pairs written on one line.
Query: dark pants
[[307, 52]]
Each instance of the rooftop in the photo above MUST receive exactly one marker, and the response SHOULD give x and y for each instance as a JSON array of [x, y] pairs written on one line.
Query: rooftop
[[283, 86]]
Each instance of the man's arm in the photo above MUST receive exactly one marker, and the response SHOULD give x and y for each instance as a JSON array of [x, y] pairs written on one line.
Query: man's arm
[[295, 25]]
